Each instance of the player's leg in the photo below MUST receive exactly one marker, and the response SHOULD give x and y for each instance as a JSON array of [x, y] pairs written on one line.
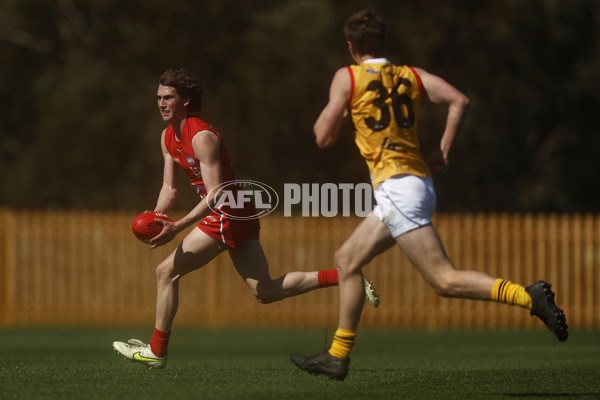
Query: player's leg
[[193, 252], [424, 249], [252, 265], [369, 239]]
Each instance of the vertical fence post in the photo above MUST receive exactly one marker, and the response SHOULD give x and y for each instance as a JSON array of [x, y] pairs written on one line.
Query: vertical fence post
[[589, 263], [8, 268], [576, 244]]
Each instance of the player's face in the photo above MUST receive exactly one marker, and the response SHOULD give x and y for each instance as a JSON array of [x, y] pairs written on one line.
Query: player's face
[[170, 104]]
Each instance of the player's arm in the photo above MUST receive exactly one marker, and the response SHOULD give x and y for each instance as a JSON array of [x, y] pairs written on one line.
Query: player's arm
[[438, 91], [328, 124], [168, 191], [206, 148]]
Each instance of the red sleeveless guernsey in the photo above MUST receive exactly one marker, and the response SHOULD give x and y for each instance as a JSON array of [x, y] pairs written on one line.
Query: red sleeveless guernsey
[[218, 225]]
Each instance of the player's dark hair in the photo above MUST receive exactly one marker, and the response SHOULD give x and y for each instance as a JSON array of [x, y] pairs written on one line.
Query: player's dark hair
[[366, 30], [186, 85]]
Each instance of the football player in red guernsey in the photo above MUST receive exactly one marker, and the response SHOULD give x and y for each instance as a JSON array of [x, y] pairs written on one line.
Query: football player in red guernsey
[[196, 147]]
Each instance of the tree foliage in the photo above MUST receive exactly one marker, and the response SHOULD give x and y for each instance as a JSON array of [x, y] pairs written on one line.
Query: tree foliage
[[80, 129]]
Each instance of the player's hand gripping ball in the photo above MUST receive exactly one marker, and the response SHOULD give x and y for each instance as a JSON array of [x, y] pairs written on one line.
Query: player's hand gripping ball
[[145, 227]]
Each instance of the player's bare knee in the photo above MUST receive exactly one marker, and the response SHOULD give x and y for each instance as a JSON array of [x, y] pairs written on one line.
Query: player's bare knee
[[441, 289], [265, 293], [164, 272], [444, 284], [265, 298], [345, 262]]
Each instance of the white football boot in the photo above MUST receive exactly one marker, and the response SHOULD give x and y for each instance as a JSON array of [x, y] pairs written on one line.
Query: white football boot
[[138, 351], [370, 292]]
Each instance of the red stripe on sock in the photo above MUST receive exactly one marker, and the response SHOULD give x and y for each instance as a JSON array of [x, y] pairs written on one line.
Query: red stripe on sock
[[159, 342], [328, 278]]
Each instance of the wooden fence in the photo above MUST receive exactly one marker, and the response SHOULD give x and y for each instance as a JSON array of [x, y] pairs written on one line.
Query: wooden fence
[[74, 268]]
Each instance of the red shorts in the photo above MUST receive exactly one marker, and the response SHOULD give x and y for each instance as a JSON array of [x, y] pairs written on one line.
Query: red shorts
[[232, 232]]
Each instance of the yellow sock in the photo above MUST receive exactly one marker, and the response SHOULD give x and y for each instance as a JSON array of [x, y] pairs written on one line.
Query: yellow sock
[[510, 293], [343, 340]]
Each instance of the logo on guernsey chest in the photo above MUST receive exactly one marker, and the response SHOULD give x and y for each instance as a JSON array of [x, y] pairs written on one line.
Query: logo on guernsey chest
[[191, 160]]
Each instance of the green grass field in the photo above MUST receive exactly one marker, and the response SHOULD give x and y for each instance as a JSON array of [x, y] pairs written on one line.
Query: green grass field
[[80, 364]]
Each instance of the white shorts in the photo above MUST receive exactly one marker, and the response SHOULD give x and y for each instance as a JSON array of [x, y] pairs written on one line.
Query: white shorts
[[404, 203]]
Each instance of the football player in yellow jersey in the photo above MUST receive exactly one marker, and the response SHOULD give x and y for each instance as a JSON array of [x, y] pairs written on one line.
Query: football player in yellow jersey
[[382, 100]]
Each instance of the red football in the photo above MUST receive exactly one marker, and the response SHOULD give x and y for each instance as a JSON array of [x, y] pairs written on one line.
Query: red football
[[145, 227]]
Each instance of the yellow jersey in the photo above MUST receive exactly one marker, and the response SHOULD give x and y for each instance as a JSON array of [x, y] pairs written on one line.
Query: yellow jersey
[[384, 104]]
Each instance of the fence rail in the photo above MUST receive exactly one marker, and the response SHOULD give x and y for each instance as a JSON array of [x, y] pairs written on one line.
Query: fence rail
[[76, 268]]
